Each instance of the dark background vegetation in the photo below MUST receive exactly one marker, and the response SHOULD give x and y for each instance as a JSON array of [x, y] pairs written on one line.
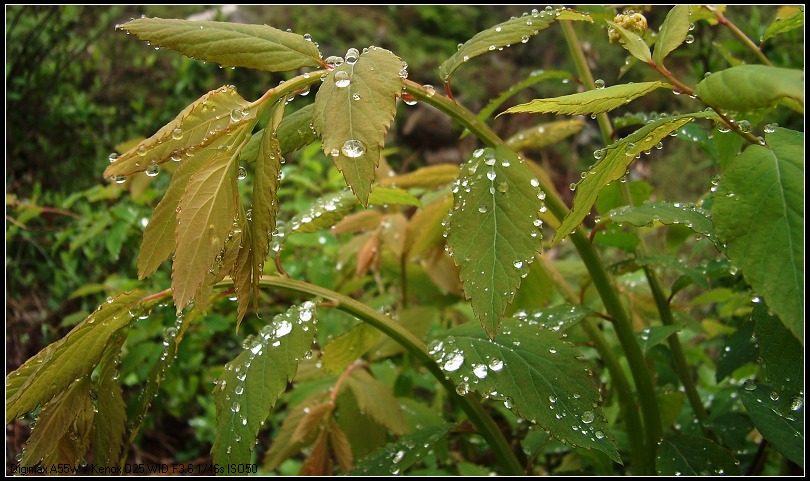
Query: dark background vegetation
[[77, 89]]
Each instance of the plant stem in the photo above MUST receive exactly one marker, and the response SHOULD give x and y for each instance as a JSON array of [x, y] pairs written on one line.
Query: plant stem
[[471, 406], [739, 33], [610, 298]]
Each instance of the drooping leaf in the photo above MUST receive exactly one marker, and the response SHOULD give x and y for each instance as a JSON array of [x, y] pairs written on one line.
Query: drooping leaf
[[322, 214], [652, 336], [318, 461], [494, 230], [206, 214], [354, 107], [395, 458], [111, 418], [312, 422], [377, 400], [392, 195], [613, 166], [62, 430], [510, 32], [779, 420], [782, 353], [632, 42], [363, 432], [426, 177], [695, 218], [672, 33], [594, 101], [787, 18], [544, 134], [758, 212], [265, 193], [425, 228], [535, 373], [52, 369], [229, 44], [686, 455], [251, 383], [341, 448], [216, 114], [748, 87], [346, 348], [159, 236]]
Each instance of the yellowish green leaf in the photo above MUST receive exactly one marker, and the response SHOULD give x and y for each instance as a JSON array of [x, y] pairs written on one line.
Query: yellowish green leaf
[[788, 18], [544, 134], [377, 400], [594, 101], [632, 42], [424, 177], [672, 33], [425, 228], [348, 347], [748, 87], [392, 195]]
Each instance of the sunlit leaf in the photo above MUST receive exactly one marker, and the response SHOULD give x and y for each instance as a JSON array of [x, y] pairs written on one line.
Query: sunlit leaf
[[758, 212], [788, 18], [354, 107], [494, 230], [52, 369], [749, 87], [511, 32], [594, 101], [216, 114], [427, 177], [392, 195], [229, 44], [61, 437], [672, 33], [686, 455], [111, 418], [544, 134], [632, 42], [534, 373], [376, 399], [779, 420], [346, 348], [250, 385], [613, 166], [395, 458]]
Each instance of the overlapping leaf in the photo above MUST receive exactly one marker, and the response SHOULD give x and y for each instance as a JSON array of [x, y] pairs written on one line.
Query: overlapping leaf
[[758, 212], [396, 457], [782, 353], [376, 399], [749, 87], [788, 18], [294, 132], [346, 348], [632, 42], [535, 373], [672, 33], [229, 44], [111, 418], [594, 101], [613, 166], [354, 107], [545, 134], [215, 114], [494, 230], [779, 420], [514, 31], [322, 214], [52, 369], [694, 456], [252, 383]]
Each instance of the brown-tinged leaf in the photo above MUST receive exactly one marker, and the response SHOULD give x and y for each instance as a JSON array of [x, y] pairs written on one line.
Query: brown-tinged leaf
[[377, 400], [358, 222], [311, 422], [318, 463], [341, 447], [425, 228], [368, 257], [283, 447], [425, 177], [354, 107]]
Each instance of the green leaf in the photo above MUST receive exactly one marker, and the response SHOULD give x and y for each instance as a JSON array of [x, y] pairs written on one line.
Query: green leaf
[[613, 166], [265, 194], [591, 102], [425, 177], [111, 418], [52, 369], [672, 33], [695, 218], [377, 401], [322, 214], [535, 373], [749, 87], [545, 134], [214, 115], [784, 24], [610, 197], [229, 44], [354, 107], [758, 212], [251, 384], [557, 318], [295, 130], [395, 458], [159, 236], [740, 348], [782, 353], [510, 32], [206, 214], [632, 42], [56, 440], [243, 271], [392, 195], [694, 456], [779, 420], [346, 348], [494, 230], [652, 336]]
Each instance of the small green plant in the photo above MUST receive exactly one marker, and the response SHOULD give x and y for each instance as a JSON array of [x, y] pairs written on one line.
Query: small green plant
[[401, 320]]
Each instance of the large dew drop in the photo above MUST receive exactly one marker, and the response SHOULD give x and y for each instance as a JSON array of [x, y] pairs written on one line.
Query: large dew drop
[[352, 55], [342, 79], [454, 361], [353, 148]]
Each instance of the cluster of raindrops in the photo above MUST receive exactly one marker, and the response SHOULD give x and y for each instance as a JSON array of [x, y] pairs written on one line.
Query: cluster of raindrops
[[321, 214]]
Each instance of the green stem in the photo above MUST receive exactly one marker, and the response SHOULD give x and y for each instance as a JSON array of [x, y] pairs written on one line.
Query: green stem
[[471, 406], [740, 34], [610, 298]]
